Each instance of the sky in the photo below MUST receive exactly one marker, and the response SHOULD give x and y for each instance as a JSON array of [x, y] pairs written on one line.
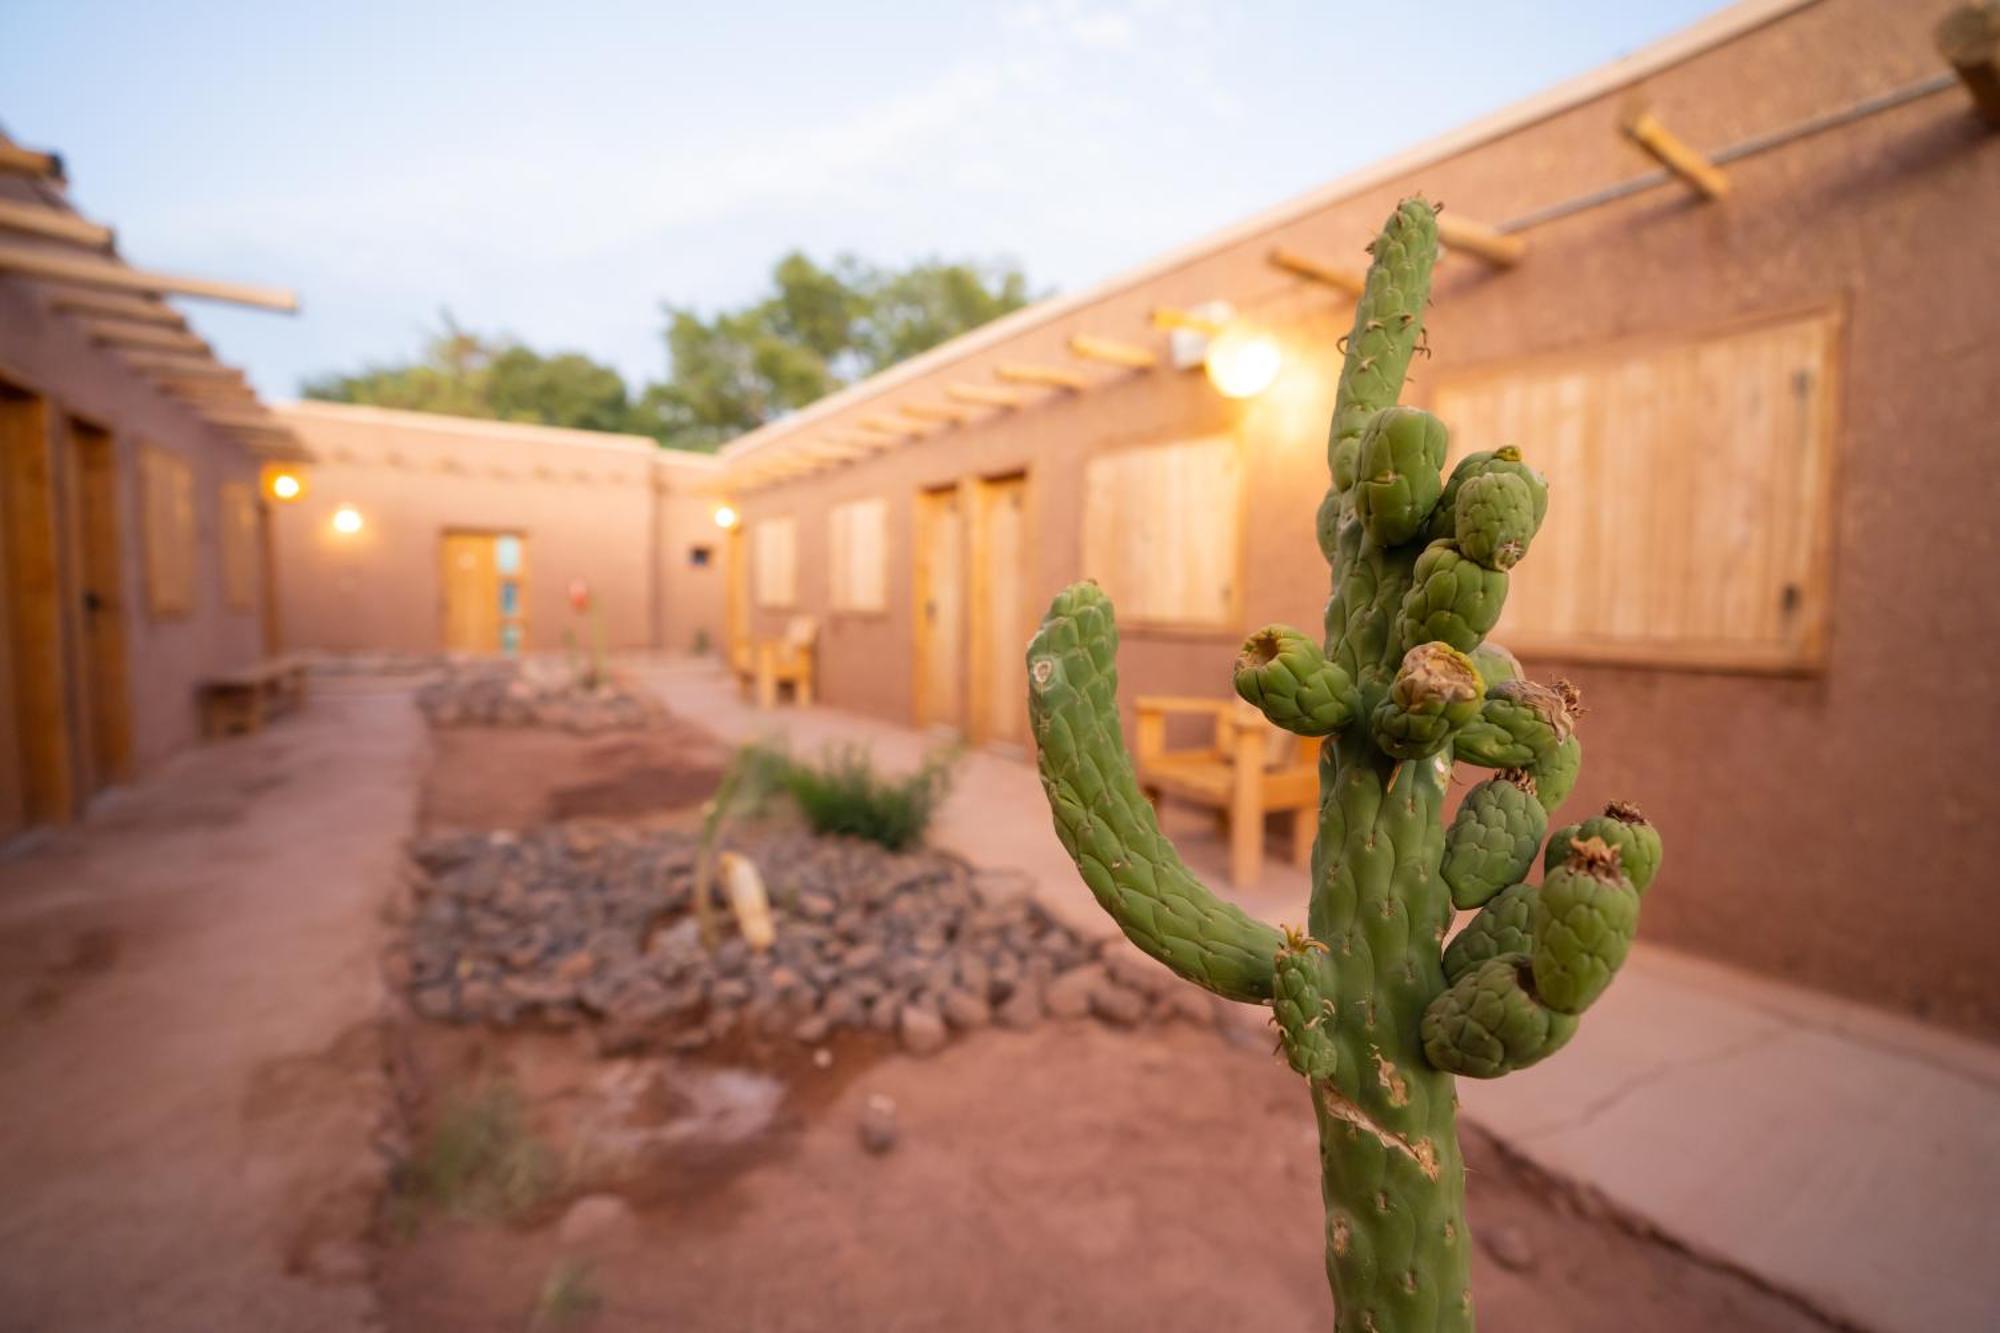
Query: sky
[[556, 171]]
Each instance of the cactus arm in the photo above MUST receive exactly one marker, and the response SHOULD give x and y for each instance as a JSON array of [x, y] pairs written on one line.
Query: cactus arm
[[1388, 322], [1106, 823], [1286, 676]]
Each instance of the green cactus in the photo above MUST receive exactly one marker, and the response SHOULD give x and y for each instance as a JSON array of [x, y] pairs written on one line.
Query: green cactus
[[1372, 1008]]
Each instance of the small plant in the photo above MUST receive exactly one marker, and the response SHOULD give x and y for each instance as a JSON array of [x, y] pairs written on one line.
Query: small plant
[[569, 1296], [843, 794], [480, 1160], [755, 774], [595, 674]]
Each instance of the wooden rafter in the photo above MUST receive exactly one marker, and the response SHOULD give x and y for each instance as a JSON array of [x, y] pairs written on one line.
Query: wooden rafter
[[1055, 377], [935, 412], [1323, 271], [33, 263], [173, 365], [1173, 317], [1110, 350], [885, 426], [985, 395], [117, 333], [135, 309], [54, 224], [1494, 246], [1675, 154], [18, 161]]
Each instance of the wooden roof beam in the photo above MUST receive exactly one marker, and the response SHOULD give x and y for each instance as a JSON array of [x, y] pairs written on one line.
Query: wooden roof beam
[[1173, 317], [134, 309], [1477, 239], [18, 161], [32, 263], [1054, 377], [887, 427], [1969, 40], [954, 416], [53, 224], [985, 395], [1110, 350], [179, 365], [1675, 154], [1323, 271], [116, 333]]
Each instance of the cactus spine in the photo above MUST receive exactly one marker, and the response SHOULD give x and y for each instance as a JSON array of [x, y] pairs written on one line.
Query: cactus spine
[[1371, 1008]]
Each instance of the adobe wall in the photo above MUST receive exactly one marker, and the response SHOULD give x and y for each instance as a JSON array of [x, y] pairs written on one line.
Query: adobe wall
[[50, 355], [1818, 827], [692, 586]]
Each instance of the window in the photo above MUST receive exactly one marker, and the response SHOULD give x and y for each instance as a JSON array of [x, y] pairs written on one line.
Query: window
[[1162, 531], [239, 545], [1689, 490], [775, 557], [857, 543], [701, 557], [167, 497]]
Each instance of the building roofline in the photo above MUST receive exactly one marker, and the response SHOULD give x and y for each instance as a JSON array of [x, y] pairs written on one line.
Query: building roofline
[[444, 424], [1717, 29]]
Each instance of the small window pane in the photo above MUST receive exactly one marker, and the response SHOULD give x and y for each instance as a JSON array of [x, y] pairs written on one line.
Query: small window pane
[[510, 639], [510, 598], [699, 556], [507, 554]]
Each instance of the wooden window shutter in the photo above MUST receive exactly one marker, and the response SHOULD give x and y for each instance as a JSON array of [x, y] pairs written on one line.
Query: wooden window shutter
[[1689, 495], [857, 550], [775, 560], [167, 502], [1163, 532], [239, 545]]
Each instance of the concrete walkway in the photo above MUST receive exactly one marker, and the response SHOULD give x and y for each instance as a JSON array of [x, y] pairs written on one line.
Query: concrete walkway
[[191, 991], [1846, 1157]]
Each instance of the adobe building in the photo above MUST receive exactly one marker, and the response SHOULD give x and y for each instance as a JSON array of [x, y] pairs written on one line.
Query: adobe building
[[420, 533], [1736, 294], [132, 531]]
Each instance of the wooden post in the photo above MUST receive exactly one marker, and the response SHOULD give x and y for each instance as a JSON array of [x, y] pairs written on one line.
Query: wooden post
[[1322, 271], [1110, 350], [1969, 38], [1675, 154], [1246, 804], [1481, 241]]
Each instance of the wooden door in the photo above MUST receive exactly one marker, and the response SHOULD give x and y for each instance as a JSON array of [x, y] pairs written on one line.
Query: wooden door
[[1002, 546], [37, 784], [736, 607], [471, 594], [940, 601], [103, 689]]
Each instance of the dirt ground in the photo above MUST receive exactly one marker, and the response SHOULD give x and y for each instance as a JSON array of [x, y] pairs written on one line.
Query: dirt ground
[[1072, 1177]]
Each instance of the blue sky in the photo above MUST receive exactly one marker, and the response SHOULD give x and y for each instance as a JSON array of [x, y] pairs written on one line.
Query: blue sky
[[555, 171]]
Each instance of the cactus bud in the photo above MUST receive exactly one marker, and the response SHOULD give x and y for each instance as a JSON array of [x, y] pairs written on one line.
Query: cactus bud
[[1283, 673], [1436, 691], [1492, 842], [1585, 917], [1398, 484]]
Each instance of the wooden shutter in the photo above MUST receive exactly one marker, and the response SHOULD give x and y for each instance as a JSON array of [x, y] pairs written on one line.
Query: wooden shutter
[[1163, 532], [857, 555], [1689, 496], [239, 545], [776, 563], [167, 493]]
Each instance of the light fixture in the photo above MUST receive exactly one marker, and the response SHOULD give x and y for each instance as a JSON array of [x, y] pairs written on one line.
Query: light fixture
[[282, 483], [1243, 362], [725, 517], [347, 520], [285, 486]]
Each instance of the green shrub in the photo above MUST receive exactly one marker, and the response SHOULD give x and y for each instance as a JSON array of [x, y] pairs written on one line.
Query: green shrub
[[480, 1159], [844, 794]]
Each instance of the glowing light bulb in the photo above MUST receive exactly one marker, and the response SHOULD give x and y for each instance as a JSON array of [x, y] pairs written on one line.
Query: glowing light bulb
[[1242, 363], [347, 520], [285, 486], [725, 517]]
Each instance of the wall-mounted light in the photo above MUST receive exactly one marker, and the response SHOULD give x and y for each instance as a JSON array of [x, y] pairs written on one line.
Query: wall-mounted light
[[1243, 362], [282, 483], [725, 517], [347, 520]]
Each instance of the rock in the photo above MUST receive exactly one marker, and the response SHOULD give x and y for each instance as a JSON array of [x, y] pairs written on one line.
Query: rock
[[964, 1010], [597, 1220], [1187, 1003], [1510, 1247], [1116, 1005], [884, 1013], [1131, 968], [822, 1058], [921, 1029], [340, 1261], [1068, 996], [878, 1124], [813, 1030], [1022, 1009]]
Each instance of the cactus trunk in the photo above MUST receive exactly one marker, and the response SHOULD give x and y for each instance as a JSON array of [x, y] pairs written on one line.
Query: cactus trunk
[[1371, 1008]]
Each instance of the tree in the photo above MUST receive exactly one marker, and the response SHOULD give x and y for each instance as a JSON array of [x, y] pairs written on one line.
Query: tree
[[819, 328], [467, 375]]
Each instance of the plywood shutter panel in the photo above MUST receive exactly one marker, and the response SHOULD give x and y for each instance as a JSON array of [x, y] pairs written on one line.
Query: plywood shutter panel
[[857, 555], [1162, 532], [775, 560], [1689, 484], [167, 496], [239, 545]]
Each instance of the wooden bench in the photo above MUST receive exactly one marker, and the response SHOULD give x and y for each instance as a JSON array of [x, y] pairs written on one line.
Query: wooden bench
[[1246, 770], [764, 667], [242, 701]]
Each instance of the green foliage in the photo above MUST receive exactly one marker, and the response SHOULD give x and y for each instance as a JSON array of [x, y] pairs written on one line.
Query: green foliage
[[818, 328], [843, 794], [480, 1160], [569, 1296]]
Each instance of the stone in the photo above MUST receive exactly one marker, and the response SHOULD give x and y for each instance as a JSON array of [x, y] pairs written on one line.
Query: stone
[[921, 1029], [1117, 1005], [813, 1030], [964, 1010], [1510, 1247], [340, 1261], [878, 1124], [1130, 967], [1068, 996], [1021, 1010], [597, 1221]]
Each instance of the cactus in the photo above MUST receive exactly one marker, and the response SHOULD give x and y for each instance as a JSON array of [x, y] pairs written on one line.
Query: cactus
[[1372, 1009]]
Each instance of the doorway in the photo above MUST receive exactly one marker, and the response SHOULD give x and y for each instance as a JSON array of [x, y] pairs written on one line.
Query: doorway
[[100, 602], [1001, 546], [485, 592], [940, 597], [35, 781]]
